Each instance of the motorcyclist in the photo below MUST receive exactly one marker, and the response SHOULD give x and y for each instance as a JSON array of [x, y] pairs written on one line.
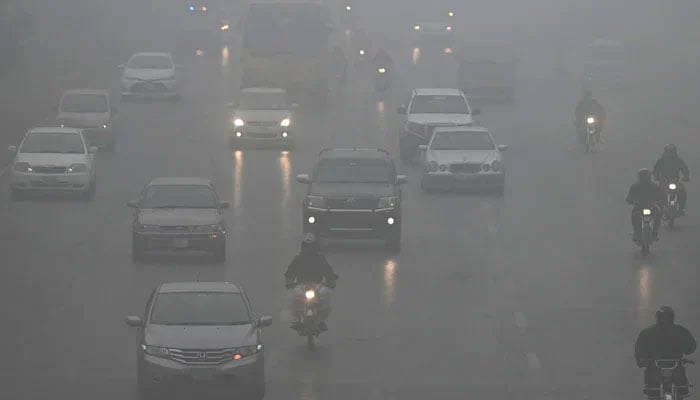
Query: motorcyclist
[[382, 59], [309, 266], [587, 105], [670, 167], [664, 340], [645, 194]]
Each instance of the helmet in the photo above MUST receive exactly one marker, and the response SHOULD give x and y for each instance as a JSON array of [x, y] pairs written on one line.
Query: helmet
[[665, 315], [644, 175], [671, 149]]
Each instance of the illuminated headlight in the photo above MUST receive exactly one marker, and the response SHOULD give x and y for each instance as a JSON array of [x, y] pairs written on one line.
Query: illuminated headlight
[[285, 122], [238, 122], [23, 167], [225, 27], [239, 134], [315, 202], [77, 168], [448, 28], [362, 52], [285, 134], [310, 294], [348, 8], [382, 70], [204, 8], [246, 351], [105, 126], [390, 221], [386, 202], [646, 211], [591, 120], [496, 166], [416, 28], [312, 220], [451, 14], [192, 8], [443, 167], [432, 166], [448, 50], [156, 351], [672, 186]]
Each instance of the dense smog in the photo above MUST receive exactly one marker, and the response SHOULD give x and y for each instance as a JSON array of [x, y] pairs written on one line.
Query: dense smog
[[349, 199]]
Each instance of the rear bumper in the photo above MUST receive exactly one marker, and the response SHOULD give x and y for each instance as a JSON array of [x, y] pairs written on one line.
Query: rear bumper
[[158, 241]]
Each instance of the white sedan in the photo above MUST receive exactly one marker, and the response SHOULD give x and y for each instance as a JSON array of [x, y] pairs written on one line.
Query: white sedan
[[53, 159], [150, 75], [463, 156]]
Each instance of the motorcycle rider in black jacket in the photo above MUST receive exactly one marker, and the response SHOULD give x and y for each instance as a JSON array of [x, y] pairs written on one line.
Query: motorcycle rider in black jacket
[[669, 168], [587, 105], [645, 194]]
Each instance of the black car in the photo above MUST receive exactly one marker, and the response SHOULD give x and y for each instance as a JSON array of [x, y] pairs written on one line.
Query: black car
[[179, 214], [354, 193]]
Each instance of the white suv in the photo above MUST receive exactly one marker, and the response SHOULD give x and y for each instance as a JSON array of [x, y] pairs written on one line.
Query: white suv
[[53, 159], [427, 110]]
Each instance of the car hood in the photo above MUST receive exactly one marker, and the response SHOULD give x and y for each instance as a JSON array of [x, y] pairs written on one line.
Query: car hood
[[460, 156], [179, 216], [83, 120], [200, 337], [352, 189], [455, 119], [262, 115], [49, 159], [148, 74]]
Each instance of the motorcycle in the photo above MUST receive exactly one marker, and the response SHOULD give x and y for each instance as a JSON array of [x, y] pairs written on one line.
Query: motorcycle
[[647, 233], [311, 313], [668, 389], [382, 81], [671, 209], [591, 129]]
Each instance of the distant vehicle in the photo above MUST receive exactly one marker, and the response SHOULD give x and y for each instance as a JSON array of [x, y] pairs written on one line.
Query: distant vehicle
[[53, 159], [201, 336], [354, 193], [91, 111], [262, 116], [204, 23], [434, 39], [179, 214], [463, 157], [428, 109], [487, 71], [150, 75]]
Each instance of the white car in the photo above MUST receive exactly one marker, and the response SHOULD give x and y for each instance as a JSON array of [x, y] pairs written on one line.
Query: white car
[[428, 109], [90, 110], [463, 157], [150, 75], [262, 116], [53, 159]]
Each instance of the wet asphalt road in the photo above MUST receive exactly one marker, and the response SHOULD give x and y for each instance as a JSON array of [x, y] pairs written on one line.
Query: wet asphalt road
[[538, 294]]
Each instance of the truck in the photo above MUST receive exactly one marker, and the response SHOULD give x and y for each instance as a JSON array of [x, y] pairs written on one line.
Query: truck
[[487, 71]]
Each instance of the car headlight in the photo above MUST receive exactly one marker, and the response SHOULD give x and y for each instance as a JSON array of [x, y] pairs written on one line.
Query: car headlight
[[496, 166], [238, 122], [381, 70], [156, 351], [591, 120], [22, 167], [448, 28], [416, 28], [672, 186], [310, 294], [77, 168], [225, 27], [315, 202], [387, 203], [247, 351], [285, 122], [486, 167], [105, 126], [432, 166]]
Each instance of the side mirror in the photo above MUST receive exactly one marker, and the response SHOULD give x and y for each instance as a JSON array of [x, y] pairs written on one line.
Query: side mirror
[[12, 149], [134, 321], [224, 204], [132, 204], [264, 321], [93, 150], [401, 179], [503, 147], [401, 110], [423, 147], [476, 111], [303, 178]]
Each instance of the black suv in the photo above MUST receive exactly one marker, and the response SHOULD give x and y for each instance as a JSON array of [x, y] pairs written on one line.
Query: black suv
[[354, 193]]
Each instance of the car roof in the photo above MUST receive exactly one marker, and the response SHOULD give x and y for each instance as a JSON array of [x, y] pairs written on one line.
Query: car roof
[[355, 153], [263, 90], [56, 129], [437, 92], [86, 91], [185, 181], [175, 287], [465, 129], [150, 54]]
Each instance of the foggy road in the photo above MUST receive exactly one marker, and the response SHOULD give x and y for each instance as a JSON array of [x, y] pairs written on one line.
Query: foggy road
[[538, 294]]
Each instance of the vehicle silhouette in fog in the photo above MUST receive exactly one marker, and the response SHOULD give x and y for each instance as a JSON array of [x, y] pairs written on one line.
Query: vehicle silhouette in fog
[[91, 111], [262, 117], [150, 75]]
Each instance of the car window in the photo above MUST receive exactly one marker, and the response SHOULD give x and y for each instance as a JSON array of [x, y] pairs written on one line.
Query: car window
[[179, 196], [263, 101], [424, 104], [200, 308], [84, 103], [53, 142], [462, 141], [150, 62], [342, 170]]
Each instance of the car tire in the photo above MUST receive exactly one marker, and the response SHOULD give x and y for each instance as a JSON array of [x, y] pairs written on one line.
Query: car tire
[[220, 253]]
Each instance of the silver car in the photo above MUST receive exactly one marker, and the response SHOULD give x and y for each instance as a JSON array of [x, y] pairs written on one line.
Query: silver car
[[90, 110], [262, 117], [150, 75], [198, 337]]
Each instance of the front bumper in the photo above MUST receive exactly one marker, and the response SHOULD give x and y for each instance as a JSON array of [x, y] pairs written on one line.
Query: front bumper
[[190, 241], [162, 376], [349, 224], [144, 89], [479, 180], [31, 181], [261, 137]]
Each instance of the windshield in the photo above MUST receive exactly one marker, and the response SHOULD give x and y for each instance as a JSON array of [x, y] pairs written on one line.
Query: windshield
[[179, 196], [200, 308], [150, 62], [66, 143], [263, 101], [353, 171], [462, 141], [84, 103], [272, 29], [439, 105]]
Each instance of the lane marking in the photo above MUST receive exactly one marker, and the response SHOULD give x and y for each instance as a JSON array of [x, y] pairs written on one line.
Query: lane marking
[[533, 362], [520, 320]]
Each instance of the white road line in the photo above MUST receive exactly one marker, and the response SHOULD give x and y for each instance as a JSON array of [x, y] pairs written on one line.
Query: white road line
[[520, 320], [533, 362]]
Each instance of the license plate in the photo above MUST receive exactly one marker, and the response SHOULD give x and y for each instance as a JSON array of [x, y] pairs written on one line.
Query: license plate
[[202, 374], [180, 243]]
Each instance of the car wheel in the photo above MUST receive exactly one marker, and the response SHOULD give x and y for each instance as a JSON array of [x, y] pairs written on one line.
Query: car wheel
[[220, 253]]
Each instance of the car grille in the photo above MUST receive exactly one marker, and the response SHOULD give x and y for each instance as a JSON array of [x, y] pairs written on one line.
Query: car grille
[[465, 168], [177, 228], [49, 170], [143, 87], [262, 135], [202, 357], [352, 203], [266, 124]]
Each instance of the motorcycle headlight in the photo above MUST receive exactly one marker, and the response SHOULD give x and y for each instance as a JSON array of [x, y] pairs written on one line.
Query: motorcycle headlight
[[496, 166], [646, 211], [155, 351], [386, 203], [315, 202], [448, 50], [672, 186], [310, 294], [105, 126], [362, 52], [382, 70], [448, 28], [77, 168], [416, 28], [348, 8], [591, 120], [22, 167], [225, 27], [432, 166], [246, 351], [238, 122], [285, 122]]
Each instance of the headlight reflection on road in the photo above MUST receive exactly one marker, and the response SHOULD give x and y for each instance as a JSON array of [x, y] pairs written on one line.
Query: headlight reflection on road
[[237, 182], [286, 172], [224, 57], [389, 283], [416, 55], [644, 292]]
